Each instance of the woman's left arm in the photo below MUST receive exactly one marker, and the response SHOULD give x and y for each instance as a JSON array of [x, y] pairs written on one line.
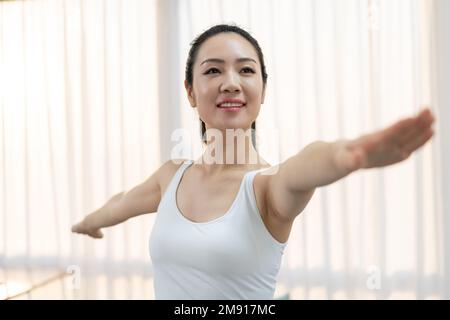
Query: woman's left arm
[[322, 163]]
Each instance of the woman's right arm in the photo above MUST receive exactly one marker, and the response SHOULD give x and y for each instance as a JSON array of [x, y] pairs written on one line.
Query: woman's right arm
[[144, 198]]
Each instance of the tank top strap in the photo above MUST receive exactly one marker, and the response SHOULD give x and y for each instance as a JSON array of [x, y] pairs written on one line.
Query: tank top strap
[[173, 185], [248, 181], [250, 175], [179, 173]]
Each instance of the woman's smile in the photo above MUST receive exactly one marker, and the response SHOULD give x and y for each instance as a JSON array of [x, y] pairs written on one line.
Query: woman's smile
[[231, 105]]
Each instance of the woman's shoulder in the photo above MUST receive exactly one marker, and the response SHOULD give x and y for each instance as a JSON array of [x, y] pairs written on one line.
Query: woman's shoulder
[[262, 164], [167, 171], [170, 166]]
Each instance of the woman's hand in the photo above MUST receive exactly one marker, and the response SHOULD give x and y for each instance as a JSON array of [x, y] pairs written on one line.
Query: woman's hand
[[83, 228], [387, 146]]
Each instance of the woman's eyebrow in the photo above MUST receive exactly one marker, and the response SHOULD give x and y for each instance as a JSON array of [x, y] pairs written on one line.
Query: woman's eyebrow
[[223, 61]]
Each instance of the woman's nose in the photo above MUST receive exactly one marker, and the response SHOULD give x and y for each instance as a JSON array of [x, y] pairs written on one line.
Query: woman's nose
[[231, 83]]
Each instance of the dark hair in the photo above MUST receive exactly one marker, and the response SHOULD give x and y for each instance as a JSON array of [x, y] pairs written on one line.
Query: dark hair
[[195, 46]]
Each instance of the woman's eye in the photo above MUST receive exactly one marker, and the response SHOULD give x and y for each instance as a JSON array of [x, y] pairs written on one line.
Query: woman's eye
[[247, 70], [208, 72], [250, 70]]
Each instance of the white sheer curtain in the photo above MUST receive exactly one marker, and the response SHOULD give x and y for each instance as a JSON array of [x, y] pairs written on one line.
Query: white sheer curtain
[[91, 92]]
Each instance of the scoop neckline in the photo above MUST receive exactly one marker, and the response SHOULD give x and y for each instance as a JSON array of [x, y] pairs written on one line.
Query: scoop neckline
[[227, 213]]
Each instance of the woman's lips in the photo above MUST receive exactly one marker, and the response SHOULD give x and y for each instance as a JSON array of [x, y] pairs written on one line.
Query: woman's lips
[[231, 108]]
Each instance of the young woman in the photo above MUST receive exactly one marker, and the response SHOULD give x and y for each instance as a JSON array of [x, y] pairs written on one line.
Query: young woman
[[224, 219]]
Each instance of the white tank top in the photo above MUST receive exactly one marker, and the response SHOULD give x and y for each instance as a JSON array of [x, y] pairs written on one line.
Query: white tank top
[[231, 257]]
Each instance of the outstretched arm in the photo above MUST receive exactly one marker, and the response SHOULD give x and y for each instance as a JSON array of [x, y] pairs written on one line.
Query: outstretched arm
[[322, 163], [144, 198]]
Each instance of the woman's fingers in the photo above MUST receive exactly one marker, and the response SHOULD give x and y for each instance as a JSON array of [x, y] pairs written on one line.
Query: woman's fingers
[[392, 144], [76, 228], [80, 228], [418, 141], [97, 234], [398, 132], [423, 123]]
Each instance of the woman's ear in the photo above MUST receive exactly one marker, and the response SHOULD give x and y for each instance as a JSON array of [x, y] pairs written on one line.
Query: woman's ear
[[190, 93]]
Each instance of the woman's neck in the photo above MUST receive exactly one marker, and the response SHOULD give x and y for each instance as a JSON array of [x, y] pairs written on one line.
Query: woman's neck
[[219, 158]]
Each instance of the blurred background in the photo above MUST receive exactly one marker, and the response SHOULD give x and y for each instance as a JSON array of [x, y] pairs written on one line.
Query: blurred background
[[92, 91]]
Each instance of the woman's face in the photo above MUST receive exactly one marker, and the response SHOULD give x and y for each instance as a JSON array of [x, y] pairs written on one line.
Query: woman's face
[[227, 67]]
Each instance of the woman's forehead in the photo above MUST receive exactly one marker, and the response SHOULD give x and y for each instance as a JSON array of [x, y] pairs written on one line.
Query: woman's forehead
[[226, 46]]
